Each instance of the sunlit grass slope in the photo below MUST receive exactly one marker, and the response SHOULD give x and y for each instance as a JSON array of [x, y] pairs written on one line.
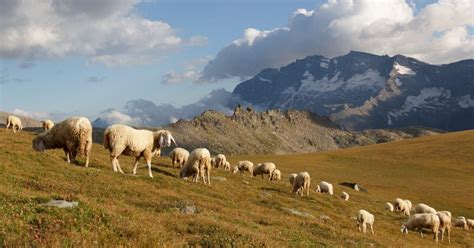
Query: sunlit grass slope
[[132, 210]]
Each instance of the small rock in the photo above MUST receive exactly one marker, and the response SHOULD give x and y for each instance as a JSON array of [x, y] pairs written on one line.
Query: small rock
[[188, 209], [219, 178], [370, 245], [325, 218], [246, 182], [62, 204], [299, 213]]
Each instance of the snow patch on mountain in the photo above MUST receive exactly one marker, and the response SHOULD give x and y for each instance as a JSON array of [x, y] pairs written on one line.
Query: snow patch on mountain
[[324, 64], [403, 70], [429, 98], [264, 79], [398, 82], [466, 101]]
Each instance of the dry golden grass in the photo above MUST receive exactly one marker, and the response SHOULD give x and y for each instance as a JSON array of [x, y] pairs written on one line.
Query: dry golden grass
[[127, 210]]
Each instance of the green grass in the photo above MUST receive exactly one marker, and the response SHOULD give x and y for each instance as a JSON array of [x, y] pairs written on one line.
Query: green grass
[[129, 210]]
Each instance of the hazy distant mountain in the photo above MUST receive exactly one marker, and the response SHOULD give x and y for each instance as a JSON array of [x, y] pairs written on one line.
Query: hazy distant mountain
[[361, 90]]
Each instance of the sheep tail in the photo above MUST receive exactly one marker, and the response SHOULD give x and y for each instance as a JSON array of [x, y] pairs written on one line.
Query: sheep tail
[[84, 132]]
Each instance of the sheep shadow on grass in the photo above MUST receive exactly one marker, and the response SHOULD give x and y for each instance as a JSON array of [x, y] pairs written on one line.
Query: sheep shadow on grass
[[166, 173], [271, 189]]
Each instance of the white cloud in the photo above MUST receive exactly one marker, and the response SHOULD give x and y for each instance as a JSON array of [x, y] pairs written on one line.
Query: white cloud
[[55, 116], [191, 72], [438, 33], [106, 31], [113, 116]]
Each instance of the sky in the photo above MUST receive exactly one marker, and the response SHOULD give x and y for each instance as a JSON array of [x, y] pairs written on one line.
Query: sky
[[130, 61]]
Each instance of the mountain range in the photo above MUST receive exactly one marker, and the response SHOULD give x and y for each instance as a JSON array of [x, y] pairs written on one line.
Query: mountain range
[[365, 91]]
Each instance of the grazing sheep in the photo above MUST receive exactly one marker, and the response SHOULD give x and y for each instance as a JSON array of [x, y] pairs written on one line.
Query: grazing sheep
[[226, 165], [345, 196], [244, 165], [461, 222], [445, 224], [14, 122], [301, 183], [324, 187], [419, 221], [73, 135], [365, 218], [389, 206], [179, 156], [401, 206], [198, 164], [470, 223], [47, 124], [423, 208], [219, 160], [264, 168], [121, 139], [275, 175]]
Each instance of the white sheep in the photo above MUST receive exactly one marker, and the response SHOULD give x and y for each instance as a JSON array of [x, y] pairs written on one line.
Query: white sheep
[[423, 208], [198, 164], [344, 196], [14, 122], [121, 139], [73, 135], [401, 206], [301, 183], [244, 165], [226, 165], [445, 224], [409, 205], [219, 160], [324, 187], [365, 218], [389, 206], [47, 124], [419, 221], [461, 222], [264, 168], [179, 156], [275, 175], [470, 223]]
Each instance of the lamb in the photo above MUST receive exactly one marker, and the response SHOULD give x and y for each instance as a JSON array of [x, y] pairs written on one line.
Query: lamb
[[226, 165], [121, 139], [423, 208], [73, 135], [345, 196], [47, 124], [264, 168], [365, 218], [244, 165], [198, 164], [179, 156], [324, 187], [401, 206], [461, 222], [389, 206], [14, 122], [424, 220], [275, 175], [301, 183], [445, 224]]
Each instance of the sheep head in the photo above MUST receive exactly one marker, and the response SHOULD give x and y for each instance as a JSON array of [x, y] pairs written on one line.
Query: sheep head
[[163, 138], [404, 229], [236, 169], [38, 144]]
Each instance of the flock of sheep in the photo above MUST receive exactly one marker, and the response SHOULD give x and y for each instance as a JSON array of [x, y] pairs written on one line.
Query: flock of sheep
[[74, 136]]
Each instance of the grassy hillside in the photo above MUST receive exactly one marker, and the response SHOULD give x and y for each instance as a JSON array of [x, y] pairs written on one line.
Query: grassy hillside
[[132, 210]]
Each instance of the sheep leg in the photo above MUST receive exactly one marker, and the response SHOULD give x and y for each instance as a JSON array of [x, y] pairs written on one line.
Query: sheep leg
[[364, 227], [135, 166], [148, 162], [114, 166], [209, 176], [448, 230], [66, 153], [372, 229], [118, 166]]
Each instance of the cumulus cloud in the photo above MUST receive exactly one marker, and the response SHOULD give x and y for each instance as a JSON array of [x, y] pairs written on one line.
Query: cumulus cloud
[[438, 33], [146, 113], [107, 31]]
